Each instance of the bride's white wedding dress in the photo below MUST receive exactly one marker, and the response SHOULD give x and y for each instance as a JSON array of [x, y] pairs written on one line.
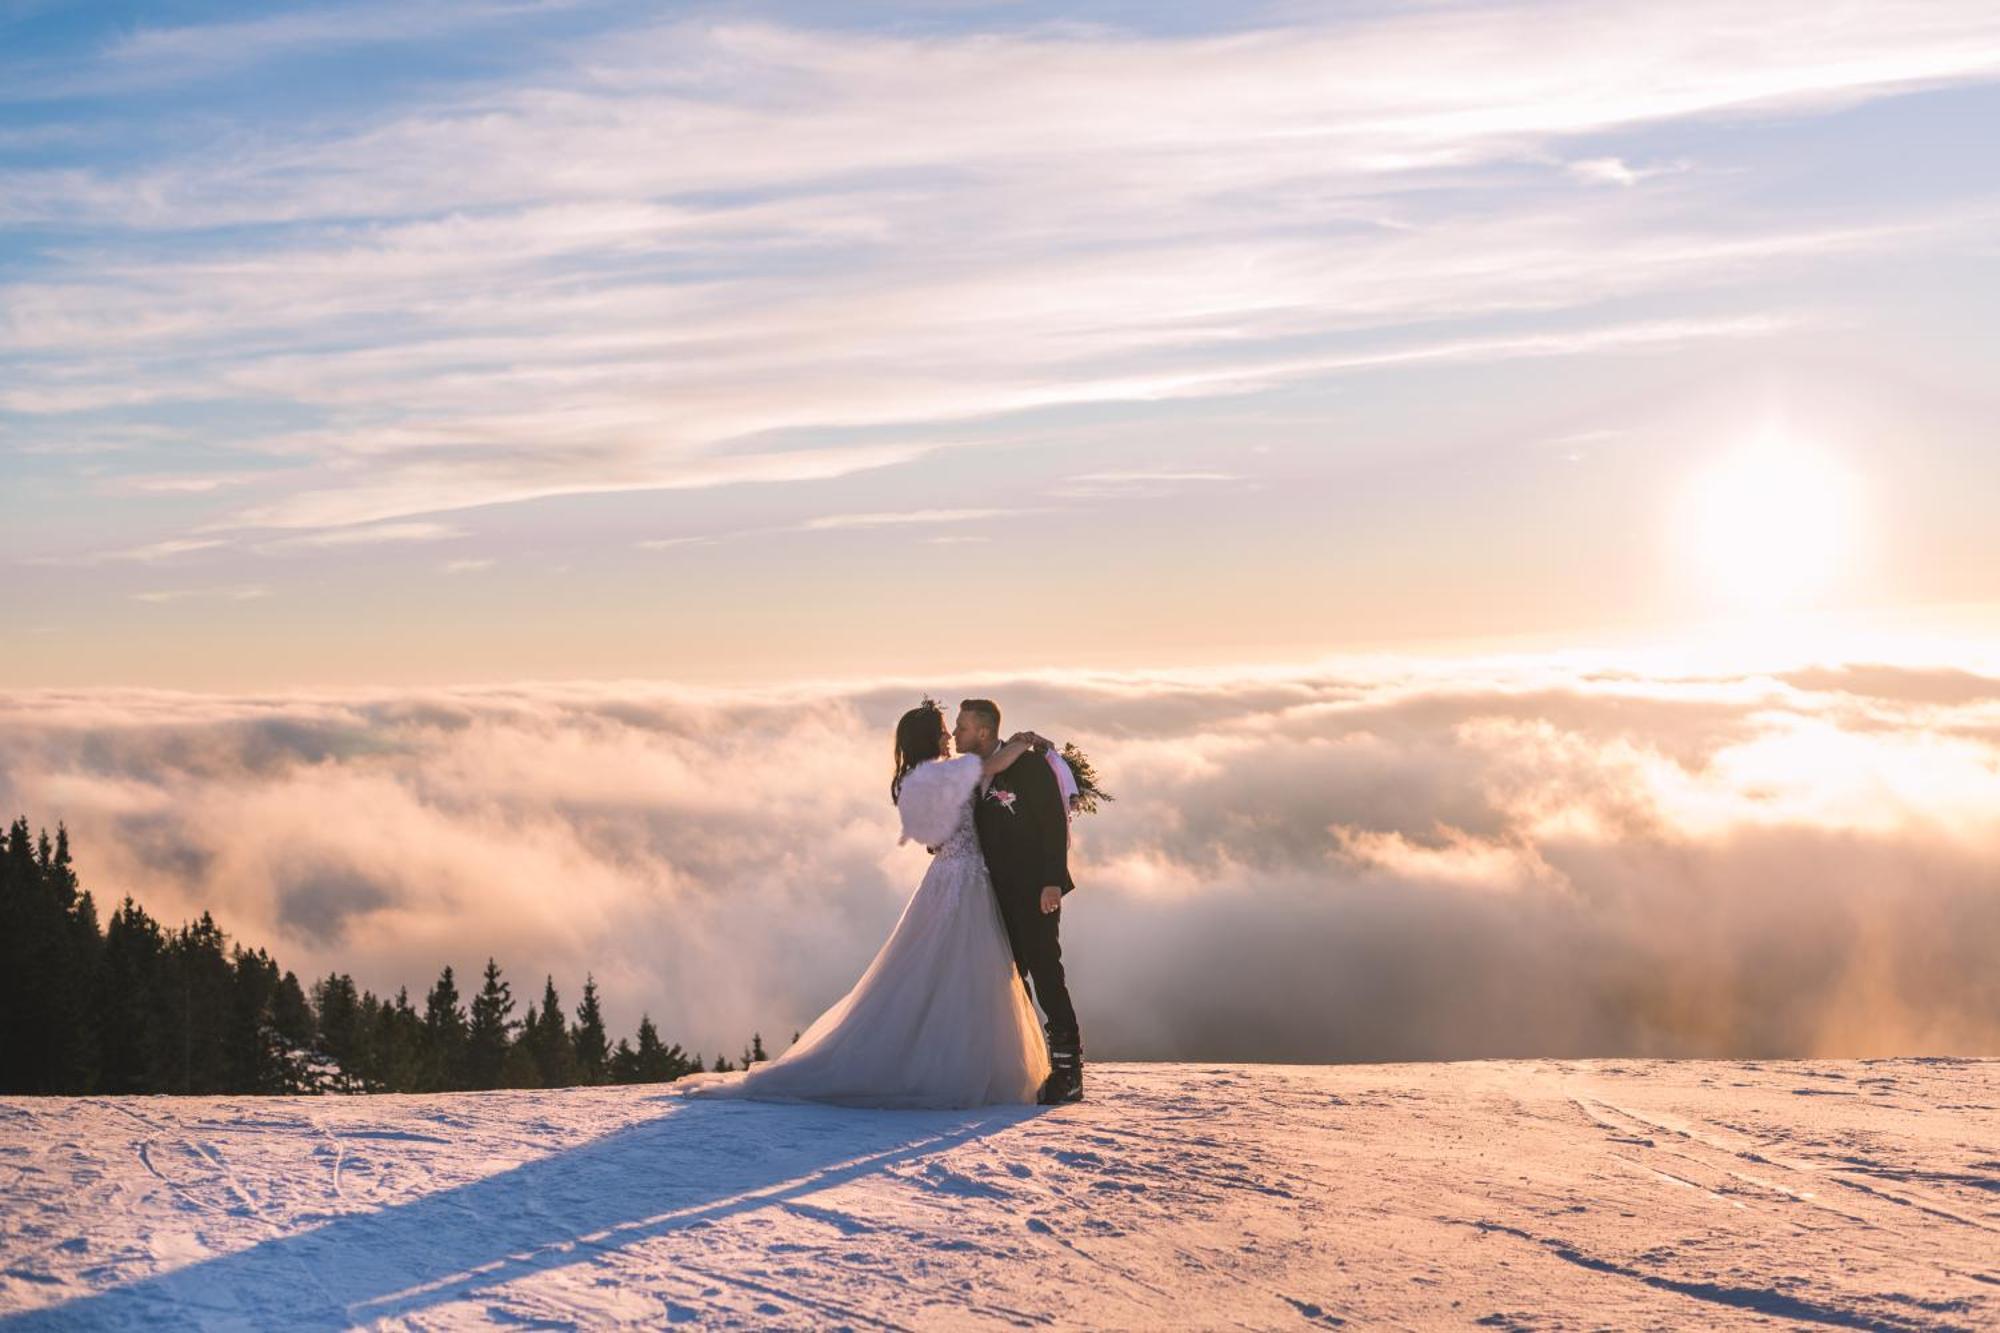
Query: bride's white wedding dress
[[940, 1018]]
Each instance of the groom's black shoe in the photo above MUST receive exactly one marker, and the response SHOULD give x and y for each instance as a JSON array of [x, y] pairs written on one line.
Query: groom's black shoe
[[1065, 1080]]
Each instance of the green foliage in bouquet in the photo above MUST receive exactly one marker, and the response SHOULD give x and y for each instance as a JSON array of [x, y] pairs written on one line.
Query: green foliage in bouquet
[[1088, 792]]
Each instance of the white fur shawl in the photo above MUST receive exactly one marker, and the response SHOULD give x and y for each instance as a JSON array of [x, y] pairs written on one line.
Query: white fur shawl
[[934, 797]]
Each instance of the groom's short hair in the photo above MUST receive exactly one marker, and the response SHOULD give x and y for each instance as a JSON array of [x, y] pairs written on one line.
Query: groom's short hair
[[984, 709]]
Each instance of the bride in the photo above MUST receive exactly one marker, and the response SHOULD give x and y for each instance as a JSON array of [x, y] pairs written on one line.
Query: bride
[[941, 1017]]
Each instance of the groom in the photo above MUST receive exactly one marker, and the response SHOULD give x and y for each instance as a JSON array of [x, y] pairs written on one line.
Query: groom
[[1024, 834]]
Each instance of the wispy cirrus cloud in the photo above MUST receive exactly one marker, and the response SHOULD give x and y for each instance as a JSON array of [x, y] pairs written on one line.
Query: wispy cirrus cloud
[[366, 535], [1616, 171], [751, 105], [607, 269], [232, 593], [156, 56], [435, 487], [147, 553], [861, 522], [185, 483], [191, 50], [833, 522], [1140, 484]]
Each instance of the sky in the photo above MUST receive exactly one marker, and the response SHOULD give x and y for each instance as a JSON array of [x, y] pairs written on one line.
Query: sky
[[440, 343], [1504, 491]]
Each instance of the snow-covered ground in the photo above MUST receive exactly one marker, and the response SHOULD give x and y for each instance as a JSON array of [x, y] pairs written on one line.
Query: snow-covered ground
[[1528, 1194]]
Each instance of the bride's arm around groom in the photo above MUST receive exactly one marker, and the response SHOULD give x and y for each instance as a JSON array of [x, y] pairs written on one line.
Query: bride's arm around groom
[[933, 797]]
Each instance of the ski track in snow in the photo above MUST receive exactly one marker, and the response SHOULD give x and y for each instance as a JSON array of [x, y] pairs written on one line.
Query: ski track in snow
[[1525, 1194]]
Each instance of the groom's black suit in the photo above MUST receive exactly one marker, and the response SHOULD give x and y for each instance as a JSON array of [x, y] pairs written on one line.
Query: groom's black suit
[[1026, 845]]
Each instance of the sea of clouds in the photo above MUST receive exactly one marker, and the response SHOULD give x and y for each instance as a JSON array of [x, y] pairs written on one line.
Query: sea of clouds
[[1380, 860]]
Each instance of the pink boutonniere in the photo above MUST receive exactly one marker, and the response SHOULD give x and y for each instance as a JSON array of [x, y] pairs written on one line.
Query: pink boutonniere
[[1002, 795]]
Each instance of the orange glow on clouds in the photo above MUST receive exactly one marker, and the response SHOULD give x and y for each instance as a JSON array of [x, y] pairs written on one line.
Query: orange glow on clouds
[[1364, 859]]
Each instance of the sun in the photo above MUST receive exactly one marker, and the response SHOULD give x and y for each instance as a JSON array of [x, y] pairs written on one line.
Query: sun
[[1769, 525]]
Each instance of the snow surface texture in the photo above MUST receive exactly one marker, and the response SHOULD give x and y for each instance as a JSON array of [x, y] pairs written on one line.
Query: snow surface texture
[[1525, 1194]]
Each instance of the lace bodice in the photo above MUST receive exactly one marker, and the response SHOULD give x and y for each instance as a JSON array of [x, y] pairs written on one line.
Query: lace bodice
[[964, 839]]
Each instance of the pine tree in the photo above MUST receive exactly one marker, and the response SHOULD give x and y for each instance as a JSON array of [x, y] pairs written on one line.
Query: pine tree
[[489, 1031], [49, 952], [444, 1036], [555, 1054], [623, 1064], [199, 985], [79, 1067], [14, 996], [399, 1045], [756, 1055], [291, 1015], [291, 1036], [131, 1006], [255, 1060], [655, 1062], [587, 1037], [343, 1027], [367, 1067], [521, 1068], [26, 937], [134, 1008]]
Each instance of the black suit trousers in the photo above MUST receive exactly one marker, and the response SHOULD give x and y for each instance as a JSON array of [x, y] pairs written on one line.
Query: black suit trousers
[[1036, 937]]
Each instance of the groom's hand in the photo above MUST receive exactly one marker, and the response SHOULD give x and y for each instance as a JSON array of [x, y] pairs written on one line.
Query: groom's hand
[[1051, 898]]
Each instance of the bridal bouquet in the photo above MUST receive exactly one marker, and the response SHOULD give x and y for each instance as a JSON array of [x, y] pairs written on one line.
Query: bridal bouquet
[[1088, 792]]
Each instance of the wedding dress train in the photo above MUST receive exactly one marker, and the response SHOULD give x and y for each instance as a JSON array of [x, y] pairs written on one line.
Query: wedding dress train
[[941, 1017]]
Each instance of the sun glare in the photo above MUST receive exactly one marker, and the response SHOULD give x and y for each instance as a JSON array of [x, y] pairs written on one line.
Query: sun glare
[[1770, 525]]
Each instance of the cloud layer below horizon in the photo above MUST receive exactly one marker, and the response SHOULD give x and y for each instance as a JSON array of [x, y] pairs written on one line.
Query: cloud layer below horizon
[[1372, 861]]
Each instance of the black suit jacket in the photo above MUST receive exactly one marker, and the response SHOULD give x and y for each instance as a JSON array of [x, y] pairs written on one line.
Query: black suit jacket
[[1026, 846]]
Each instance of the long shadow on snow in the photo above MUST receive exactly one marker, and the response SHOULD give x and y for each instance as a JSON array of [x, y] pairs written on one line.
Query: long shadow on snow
[[698, 1163]]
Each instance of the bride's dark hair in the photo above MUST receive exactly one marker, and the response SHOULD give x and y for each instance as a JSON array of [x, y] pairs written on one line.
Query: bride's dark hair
[[919, 736]]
